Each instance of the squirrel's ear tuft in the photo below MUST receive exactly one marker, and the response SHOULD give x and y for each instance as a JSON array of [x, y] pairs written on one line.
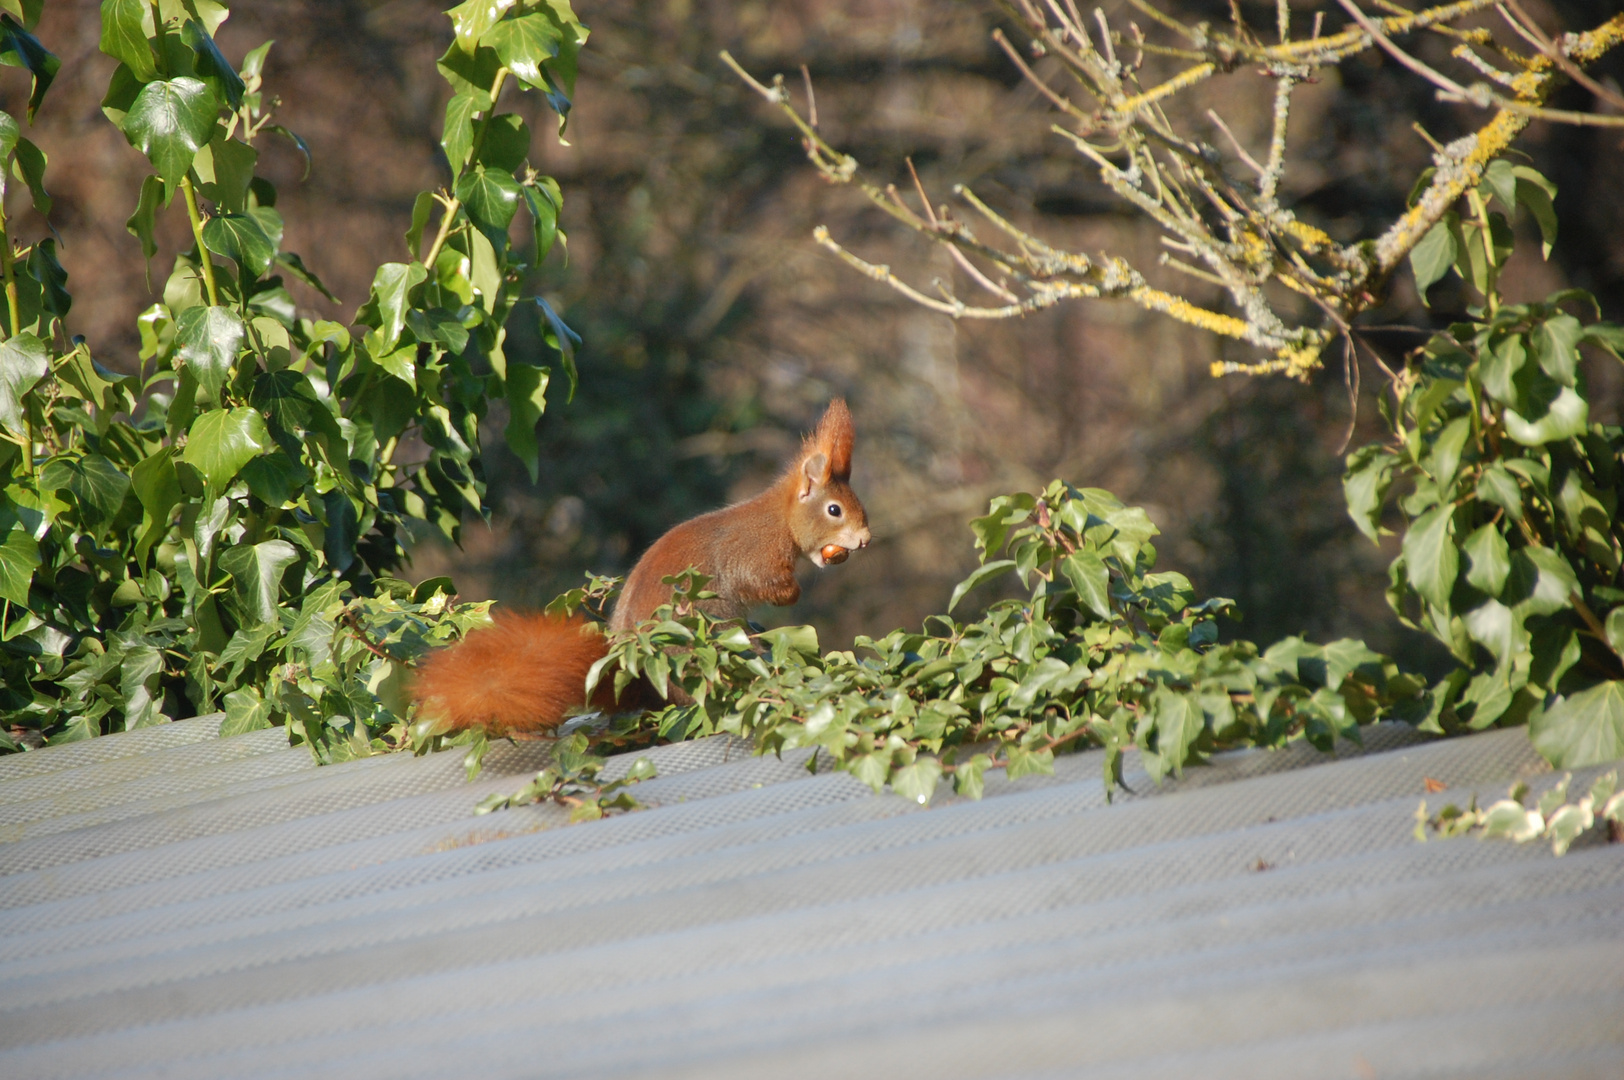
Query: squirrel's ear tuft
[[834, 438]]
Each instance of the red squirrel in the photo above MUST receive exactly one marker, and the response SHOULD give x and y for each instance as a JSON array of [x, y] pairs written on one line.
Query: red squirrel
[[526, 672]]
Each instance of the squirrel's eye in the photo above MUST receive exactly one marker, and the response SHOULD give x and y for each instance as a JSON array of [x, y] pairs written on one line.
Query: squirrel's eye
[[834, 510]]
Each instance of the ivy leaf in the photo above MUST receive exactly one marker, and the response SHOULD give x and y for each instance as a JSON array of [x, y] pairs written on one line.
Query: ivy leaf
[[246, 711], [524, 45], [169, 121], [127, 27], [19, 557], [257, 570], [980, 575], [917, 782], [295, 266], [1500, 180], [1564, 416], [1498, 366], [158, 489], [562, 338], [472, 18], [543, 201], [1499, 487], [143, 223], [1430, 555], [385, 310], [30, 162], [491, 197], [44, 268], [526, 392], [24, 360], [9, 134], [1087, 573], [1556, 345], [1537, 193], [242, 239], [1433, 256], [1488, 558], [19, 48], [95, 482], [222, 441], [213, 66], [457, 137], [1584, 729], [1540, 582], [1365, 484], [506, 143], [207, 340]]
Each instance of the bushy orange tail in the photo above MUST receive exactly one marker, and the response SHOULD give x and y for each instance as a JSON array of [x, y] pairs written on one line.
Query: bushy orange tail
[[520, 675]]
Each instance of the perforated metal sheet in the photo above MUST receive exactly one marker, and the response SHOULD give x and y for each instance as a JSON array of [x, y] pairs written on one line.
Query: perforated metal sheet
[[1268, 916]]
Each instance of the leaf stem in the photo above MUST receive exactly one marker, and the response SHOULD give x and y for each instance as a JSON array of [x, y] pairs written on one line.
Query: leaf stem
[[454, 204], [197, 234], [9, 274]]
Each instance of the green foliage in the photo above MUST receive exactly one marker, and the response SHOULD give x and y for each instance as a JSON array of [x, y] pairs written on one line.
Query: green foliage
[[1102, 651], [572, 780], [1512, 551], [217, 529], [1551, 817]]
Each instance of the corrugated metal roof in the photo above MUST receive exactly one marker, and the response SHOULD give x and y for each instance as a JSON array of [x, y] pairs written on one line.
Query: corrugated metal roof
[[177, 905]]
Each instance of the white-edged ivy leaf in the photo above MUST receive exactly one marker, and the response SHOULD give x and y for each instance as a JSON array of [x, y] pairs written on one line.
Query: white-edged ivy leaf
[[24, 360], [1433, 256], [1586, 728], [222, 441], [207, 340], [19, 48], [127, 28], [169, 121], [979, 576], [257, 570], [1430, 556], [240, 238]]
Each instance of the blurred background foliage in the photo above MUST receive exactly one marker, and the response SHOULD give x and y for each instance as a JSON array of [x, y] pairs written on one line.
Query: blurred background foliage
[[715, 330]]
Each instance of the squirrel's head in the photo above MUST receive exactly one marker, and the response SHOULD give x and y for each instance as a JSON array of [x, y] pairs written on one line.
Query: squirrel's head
[[827, 511]]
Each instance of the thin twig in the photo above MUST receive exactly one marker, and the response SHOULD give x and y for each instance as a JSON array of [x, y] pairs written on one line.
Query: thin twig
[[1236, 143], [811, 98], [958, 256]]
